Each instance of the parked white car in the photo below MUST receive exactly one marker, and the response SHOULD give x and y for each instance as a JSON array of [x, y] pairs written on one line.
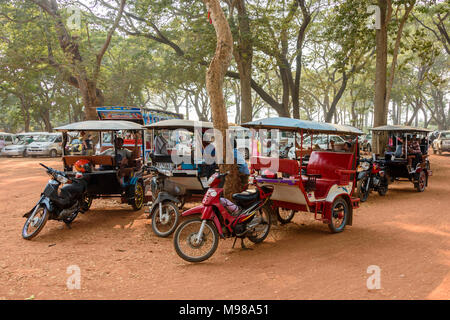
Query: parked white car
[[6, 139], [442, 142]]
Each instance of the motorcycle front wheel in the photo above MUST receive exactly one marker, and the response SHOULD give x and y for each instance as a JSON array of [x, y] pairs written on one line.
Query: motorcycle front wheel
[[35, 222], [186, 245], [164, 225]]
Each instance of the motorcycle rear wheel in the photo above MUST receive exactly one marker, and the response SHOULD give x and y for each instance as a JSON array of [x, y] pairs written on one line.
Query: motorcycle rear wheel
[[184, 237], [35, 223], [165, 228], [261, 236]]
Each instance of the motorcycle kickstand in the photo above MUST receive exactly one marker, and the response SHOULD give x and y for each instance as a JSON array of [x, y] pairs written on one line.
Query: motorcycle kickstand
[[68, 225], [243, 247]]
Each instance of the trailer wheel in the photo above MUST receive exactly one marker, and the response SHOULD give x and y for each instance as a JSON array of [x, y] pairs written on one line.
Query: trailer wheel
[[339, 215]]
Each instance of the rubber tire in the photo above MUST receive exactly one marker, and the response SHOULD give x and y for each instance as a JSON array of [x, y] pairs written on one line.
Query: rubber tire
[[24, 153], [137, 206], [53, 153], [204, 257], [347, 212], [155, 211], [261, 239], [283, 220], [36, 232], [382, 192], [365, 196], [86, 205], [434, 151], [417, 185]]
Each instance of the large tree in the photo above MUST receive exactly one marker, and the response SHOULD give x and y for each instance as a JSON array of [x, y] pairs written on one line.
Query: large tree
[[74, 67]]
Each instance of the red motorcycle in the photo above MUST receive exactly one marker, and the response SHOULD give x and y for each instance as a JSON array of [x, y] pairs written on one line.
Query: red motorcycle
[[196, 240]]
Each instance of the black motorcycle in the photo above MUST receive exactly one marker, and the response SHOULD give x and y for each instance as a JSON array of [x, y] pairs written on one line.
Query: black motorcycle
[[372, 177], [64, 206]]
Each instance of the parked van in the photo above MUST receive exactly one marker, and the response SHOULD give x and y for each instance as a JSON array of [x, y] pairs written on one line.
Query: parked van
[[49, 144], [6, 139]]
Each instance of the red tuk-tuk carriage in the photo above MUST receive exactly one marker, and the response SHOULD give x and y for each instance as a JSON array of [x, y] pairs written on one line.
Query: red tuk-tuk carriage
[[317, 180]]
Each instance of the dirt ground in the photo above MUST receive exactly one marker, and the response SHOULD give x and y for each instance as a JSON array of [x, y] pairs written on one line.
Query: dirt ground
[[406, 234]]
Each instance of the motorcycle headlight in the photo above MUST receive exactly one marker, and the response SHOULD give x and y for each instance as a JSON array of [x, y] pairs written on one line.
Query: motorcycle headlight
[[62, 179], [365, 166], [213, 193]]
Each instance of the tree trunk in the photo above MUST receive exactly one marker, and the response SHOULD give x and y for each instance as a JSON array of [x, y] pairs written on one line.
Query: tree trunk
[[214, 85], [395, 53], [298, 71], [243, 55], [380, 110]]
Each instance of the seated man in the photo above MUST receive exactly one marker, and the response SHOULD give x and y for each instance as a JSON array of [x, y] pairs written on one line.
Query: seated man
[[122, 156], [347, 147], [414, 152]]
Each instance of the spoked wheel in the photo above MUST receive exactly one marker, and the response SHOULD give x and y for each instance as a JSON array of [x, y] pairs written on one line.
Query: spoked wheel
[[138, 196], [285, 215], [339, 215], [262, 229], [35, 222], [186, 241], [421, 182], [363, 189], [165, 223]]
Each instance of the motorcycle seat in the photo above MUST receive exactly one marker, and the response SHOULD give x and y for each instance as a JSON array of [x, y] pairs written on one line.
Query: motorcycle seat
[[246, 196]]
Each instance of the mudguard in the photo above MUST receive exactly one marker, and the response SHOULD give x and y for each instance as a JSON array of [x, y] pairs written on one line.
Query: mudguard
[[45, 201], [164, 196], [207, 213], [195, 210], [328, 205]]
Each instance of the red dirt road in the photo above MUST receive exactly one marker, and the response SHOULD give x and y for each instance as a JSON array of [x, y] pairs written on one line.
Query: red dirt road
[[406, 234]]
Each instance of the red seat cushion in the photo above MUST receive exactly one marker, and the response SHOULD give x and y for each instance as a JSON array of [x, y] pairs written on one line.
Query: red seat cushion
[[327, 165], [288, 166]]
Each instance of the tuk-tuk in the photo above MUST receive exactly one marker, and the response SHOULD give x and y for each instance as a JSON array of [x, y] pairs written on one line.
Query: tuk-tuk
[[110, 177], [403, 163], [320, 180], [173, 154]]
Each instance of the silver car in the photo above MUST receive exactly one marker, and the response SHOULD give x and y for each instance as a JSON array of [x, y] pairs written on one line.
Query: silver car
[[46, 145], [18, 149]]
